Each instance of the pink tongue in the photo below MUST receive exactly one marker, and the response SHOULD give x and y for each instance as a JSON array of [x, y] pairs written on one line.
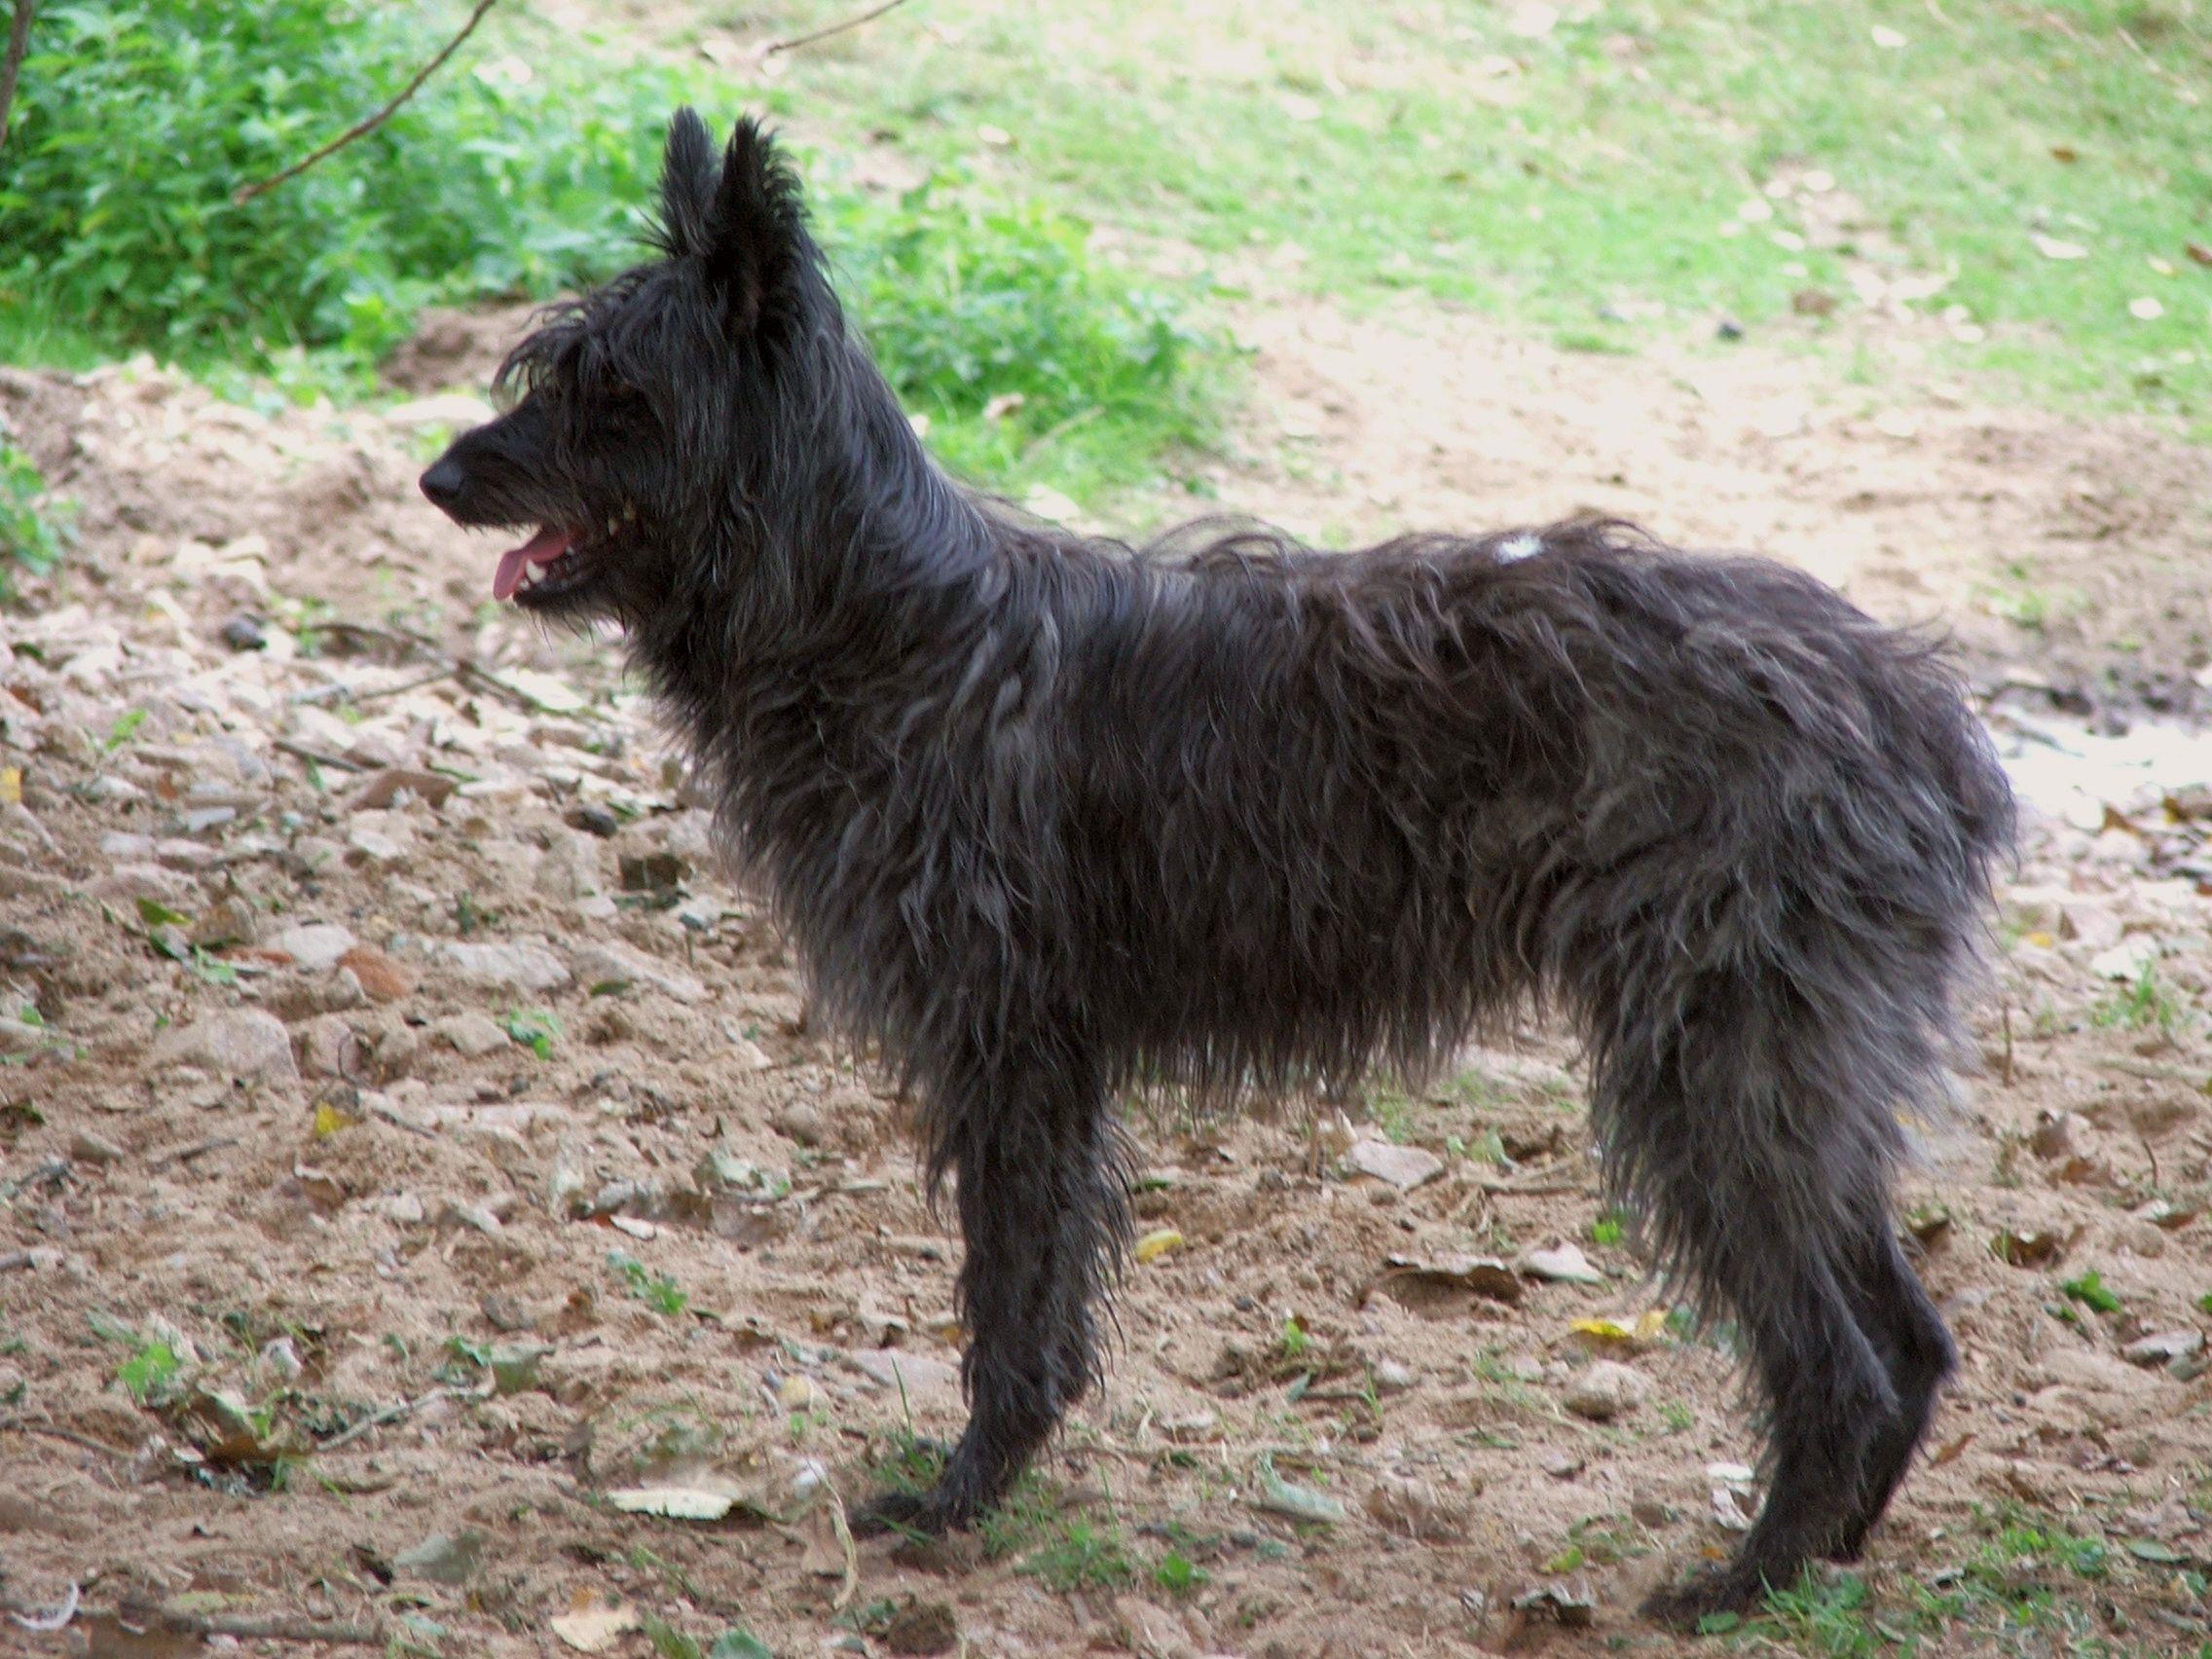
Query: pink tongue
[[544, 548]]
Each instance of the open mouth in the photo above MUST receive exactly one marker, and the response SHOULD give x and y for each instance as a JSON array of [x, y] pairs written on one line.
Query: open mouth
[[552, 563]]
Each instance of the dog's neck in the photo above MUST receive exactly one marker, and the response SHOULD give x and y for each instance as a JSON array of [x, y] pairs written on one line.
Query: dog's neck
[[852, 562]]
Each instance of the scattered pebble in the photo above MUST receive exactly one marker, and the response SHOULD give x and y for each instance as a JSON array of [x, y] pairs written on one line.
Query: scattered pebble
[[1604, 1389], [244, 1043], [1404, 1168]]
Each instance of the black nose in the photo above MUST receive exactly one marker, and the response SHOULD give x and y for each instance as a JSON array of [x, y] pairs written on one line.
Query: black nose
[[443, 481]]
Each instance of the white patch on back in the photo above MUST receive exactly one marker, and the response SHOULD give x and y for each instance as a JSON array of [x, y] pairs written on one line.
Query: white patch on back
[[1515, 548]]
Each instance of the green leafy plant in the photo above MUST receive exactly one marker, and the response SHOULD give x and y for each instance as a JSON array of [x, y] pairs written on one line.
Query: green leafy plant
[[997, 321], [656, 1290], [33, 527], [149, 1371], [137, 122], [535, 1029], [2091, 1292]]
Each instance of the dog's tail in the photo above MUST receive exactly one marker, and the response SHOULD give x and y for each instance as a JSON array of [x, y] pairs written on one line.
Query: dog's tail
[[1787, 839]]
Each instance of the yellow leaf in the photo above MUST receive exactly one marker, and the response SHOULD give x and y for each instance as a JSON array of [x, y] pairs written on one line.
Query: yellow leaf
[[2040, 938], [1154, 1245], [10, 786], [1650, 1324], [329, 1120], [1604, 1329]]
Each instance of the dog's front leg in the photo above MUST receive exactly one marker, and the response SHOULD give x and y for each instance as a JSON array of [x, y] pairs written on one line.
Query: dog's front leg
[[1043, 1209]]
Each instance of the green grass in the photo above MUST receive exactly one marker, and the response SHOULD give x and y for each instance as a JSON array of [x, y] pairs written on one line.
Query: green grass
[[2024, 1585], [1577, 181], [2143, 1004]]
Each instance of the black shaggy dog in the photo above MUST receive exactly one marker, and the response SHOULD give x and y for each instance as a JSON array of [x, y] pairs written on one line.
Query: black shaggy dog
[[1052, 820]]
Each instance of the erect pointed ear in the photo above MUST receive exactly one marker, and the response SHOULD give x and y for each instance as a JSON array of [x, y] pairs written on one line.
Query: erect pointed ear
[[686, 184], [755, 226]]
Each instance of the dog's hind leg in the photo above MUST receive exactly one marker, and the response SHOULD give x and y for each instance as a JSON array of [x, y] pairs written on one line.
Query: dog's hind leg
[[1043, 1209], [1909, 1333], [1753, 1187]]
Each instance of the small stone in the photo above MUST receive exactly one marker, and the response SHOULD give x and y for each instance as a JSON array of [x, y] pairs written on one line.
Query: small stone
[[1728, 328], [328, 1048], [393, 1049], [1404, 1168], [341, 991], [129, 882], [652, 873], [1604, 1390], [458, 410], [570, 867], [2055, 1133], [2091, 923], [608, 963], [404, 1209], [926, 1380], [315, 948], [505, 1314], [228, 921], [383, 979], [444, 1558], [528, 963], [2125, 961], [244, 1043], [803, 1121], [244, 633], [2161, 1348], [88, 1148], [595, 819], [473, 1035], [1562, 1262], [1392, 1378]]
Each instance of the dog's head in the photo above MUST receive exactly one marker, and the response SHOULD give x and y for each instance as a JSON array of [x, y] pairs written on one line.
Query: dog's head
[[636, 413]]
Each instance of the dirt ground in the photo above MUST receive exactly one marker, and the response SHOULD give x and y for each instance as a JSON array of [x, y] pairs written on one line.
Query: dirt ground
[[410, 1146]]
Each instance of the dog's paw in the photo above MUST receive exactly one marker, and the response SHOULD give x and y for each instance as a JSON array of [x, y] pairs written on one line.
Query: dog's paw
[[1686, 1606], [912, 1514]]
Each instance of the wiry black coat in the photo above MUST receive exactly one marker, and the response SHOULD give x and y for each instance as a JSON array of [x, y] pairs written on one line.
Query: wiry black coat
[[1050, 821]]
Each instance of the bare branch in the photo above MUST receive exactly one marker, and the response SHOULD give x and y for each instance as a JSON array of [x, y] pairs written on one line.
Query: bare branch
[[18, 43], [248, 192], [867, 16]]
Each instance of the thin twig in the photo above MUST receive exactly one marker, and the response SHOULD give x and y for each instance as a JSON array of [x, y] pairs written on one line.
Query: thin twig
[[247, 1627], [19, 42], [867, 16], [187, 1153], [17, 1426], [392, 1414], [339, 762], [248, 192]]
